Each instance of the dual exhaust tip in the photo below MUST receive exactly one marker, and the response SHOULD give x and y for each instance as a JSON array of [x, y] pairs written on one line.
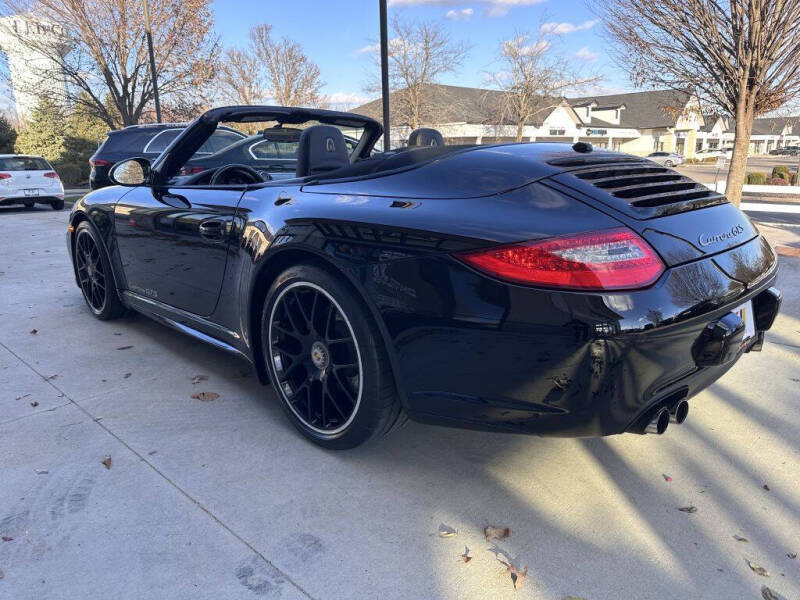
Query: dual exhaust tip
[[661, 419]]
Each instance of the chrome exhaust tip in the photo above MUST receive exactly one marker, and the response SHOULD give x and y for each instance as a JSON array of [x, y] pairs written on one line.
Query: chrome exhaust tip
[[679, 412], [659, 423]]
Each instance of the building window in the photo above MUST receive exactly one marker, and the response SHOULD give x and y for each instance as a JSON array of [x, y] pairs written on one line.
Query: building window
[[698, 145], [557, 131], [658, 145]]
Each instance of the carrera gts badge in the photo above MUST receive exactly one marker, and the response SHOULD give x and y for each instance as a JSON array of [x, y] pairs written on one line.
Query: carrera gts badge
[[706, 239]]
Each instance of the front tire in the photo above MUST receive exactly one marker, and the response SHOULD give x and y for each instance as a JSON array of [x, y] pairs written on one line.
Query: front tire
[[669, 164], [94, 274], [325, 357]]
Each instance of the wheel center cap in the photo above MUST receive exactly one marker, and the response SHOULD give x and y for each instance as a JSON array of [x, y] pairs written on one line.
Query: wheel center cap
[[319, 355], [90, 270]]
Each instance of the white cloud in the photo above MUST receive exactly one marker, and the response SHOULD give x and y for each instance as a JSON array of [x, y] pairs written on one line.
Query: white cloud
[[493, 8], [459, 15], [346, 98], [585, 54], [560, 28], [368, 49]]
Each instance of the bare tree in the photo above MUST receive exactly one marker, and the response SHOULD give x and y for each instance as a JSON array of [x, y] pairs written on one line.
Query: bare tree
[[419, 54], [533, 78], [293, 79], [241, 78], [100, 53], [739, 55]]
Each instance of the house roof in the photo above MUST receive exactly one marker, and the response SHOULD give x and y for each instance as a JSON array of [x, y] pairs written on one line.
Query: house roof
[[456, 104], [775, 125], [649, 108]]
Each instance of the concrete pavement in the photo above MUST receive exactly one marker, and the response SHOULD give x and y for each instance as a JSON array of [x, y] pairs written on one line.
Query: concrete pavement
[[223, 499]]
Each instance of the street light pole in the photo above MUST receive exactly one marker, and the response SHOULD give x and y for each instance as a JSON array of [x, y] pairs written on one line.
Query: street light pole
[[385, 77], [153, 75]]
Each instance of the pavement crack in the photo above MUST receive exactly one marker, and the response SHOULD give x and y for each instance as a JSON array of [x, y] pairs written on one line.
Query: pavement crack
[[163, 475], [35, 413]]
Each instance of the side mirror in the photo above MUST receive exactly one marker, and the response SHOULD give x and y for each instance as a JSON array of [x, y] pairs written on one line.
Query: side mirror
[[131, 172]]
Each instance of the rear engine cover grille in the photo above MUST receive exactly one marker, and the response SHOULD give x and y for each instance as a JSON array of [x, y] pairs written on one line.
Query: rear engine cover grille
[[640, 188]]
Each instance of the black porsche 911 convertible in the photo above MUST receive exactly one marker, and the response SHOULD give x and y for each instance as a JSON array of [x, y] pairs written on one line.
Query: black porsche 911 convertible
[[532, 288]]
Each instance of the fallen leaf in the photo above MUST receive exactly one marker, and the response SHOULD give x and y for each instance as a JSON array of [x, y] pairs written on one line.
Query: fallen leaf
[[106, 462], [5, 538], [34, 404], [126, 375], [21, 397], [757, 569], [667, 478], [41, 471], [152, 452], [517, 575], [688, 509], [496, 533], [739, 538], [49, 377], [466, 557], [199, 378], [765, 486], [117, 333], [1, 574], [792, 555], [445, 531], [34, 331], [769, 594], [124, 347], [205, 396]]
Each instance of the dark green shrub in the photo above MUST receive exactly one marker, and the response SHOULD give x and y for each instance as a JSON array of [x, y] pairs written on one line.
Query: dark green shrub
[[756, 178], [777, 181], [71, 173]]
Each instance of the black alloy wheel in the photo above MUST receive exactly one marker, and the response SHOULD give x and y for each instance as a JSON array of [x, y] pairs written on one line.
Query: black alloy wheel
[[326, 360], [95, 279]]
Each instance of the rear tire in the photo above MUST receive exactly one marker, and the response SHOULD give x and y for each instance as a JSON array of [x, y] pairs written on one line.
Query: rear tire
[[326, 360], [28, 205], [95, 277], [58, 205]]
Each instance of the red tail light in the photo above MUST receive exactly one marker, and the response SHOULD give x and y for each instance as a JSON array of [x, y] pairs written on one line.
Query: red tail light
[[52, 175], [612, 259], [99, 162], [5, 175], [192, 170]]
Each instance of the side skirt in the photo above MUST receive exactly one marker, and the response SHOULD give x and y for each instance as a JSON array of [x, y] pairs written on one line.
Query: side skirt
[[185, 322]]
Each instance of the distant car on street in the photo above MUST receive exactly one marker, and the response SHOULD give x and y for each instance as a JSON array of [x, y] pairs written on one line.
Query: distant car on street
[[148, 141], [708, 153], [667, 159], [29, 180]]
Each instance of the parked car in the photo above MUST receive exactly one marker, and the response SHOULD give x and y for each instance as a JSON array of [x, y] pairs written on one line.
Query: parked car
[[273, 153], [29, 180], [149, 141], [533, 288], [668, 159], [708, 153], [792, 150]]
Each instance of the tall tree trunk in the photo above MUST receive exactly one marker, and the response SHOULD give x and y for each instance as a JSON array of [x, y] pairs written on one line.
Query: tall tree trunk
[[741, 143], [520, 128]]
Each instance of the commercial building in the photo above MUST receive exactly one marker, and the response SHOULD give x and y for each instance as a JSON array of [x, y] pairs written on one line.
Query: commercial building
[[637, 123]]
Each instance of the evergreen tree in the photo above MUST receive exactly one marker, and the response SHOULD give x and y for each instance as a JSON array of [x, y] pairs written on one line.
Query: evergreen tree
[[44, 132], [8, 135]]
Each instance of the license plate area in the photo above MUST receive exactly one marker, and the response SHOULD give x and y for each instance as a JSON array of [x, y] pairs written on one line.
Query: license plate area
[[32, 192]]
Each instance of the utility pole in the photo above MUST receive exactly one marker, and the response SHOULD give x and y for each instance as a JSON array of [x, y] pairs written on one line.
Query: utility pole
[[387, 142], [153, 75]]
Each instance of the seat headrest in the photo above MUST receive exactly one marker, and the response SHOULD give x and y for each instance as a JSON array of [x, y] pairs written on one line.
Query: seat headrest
[[425, 137], [321, 148]]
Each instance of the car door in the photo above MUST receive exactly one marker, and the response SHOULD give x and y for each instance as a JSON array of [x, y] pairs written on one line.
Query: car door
[[173, 244]]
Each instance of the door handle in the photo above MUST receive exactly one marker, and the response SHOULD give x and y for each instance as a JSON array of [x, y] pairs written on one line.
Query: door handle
[[212, 229]]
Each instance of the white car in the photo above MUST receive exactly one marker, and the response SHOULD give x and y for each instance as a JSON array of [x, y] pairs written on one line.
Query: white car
[[708, 153], [27, 180]]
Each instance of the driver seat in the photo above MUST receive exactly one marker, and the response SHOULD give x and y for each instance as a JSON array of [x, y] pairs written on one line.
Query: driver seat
[[321, 149]]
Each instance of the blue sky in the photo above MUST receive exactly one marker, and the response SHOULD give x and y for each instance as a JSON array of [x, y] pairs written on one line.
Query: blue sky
[[333, 34]]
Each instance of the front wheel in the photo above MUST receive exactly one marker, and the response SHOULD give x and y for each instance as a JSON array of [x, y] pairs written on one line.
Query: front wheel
[[326, 360], [669, 163], [95, 278]]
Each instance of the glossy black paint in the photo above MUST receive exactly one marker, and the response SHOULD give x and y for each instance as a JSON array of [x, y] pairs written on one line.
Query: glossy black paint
[[466, 350]]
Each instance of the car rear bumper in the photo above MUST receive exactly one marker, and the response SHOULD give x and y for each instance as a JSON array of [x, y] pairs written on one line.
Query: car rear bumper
[[49, 199], [489, 355]]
